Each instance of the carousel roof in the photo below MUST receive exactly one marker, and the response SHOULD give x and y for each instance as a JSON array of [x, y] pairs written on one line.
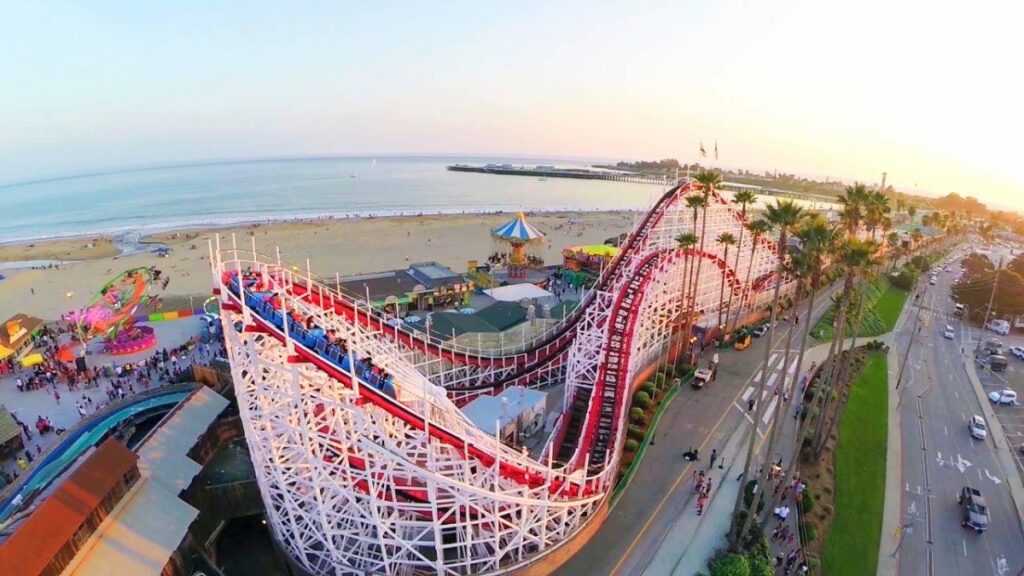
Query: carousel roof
[[518, 230]]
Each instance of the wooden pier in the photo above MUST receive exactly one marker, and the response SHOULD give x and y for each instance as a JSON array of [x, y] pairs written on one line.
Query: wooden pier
[[552, 172]]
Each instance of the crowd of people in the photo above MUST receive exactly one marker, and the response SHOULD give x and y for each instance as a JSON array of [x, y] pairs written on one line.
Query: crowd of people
[[74, 381]]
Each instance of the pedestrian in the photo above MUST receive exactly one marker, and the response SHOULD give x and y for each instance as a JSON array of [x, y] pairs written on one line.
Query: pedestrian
[[714, 456], [22, 463], [750, 405], [775, 532], [779, 559], [56, 395], [701, 503]]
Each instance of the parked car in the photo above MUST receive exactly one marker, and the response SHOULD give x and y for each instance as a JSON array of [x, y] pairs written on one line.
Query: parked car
[[973, 508], [1017, 351], [1006, 396], [976, 426], [998, 326], [948, 332], [760, 330], [703, 376], [932, 281], [996, 362], [742, 342]]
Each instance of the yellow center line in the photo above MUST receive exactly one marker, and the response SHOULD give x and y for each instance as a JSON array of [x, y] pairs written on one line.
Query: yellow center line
[[683, 473]]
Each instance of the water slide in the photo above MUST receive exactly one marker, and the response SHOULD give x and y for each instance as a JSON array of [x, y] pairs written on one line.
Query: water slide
[[78, 440]]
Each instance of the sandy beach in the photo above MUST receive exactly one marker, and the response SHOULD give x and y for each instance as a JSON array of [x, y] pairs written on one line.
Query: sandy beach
[[347, 247]]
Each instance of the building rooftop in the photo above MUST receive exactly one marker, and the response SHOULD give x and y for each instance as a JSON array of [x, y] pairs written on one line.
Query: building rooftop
[[37, 541], [399, 283], [17, 328]]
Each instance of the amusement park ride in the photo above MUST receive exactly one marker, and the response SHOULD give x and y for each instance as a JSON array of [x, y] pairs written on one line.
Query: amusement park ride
[[110, 315], [363, 457]]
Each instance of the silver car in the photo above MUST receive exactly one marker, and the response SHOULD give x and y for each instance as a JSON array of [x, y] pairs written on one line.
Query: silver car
[[976, 426]]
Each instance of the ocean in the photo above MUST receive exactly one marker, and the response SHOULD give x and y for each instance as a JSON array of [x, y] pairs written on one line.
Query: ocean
[[146, 200]]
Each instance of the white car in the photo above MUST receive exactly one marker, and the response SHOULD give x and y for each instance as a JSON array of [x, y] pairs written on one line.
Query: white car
[[976, 426], [1017, 351], [1006, 396], [933, 281], [948, 332]]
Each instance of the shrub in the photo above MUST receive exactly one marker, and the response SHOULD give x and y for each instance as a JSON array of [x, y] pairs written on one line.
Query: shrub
[[748, 496], [808, 502], [730, 565], [642, 400], [669, 371], [650, 388], [760, 564], [659, 380], [635, 433], [810, 532], [636, 415], [632, 445]]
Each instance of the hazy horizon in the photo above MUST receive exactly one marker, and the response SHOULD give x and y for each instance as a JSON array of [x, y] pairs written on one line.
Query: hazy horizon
[[921, 90]]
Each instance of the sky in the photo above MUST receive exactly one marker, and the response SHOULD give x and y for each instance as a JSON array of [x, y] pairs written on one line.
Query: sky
[[929, 92]]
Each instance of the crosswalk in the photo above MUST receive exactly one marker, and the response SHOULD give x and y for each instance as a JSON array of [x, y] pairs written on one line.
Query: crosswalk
[[772, 390]]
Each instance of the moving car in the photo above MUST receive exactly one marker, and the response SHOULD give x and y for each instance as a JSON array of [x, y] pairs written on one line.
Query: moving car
[[760, 330], [959, 310], [948, 332], [742, 342], [1005, 396], [973, 508], [976, 426], [933, 281], [1017, 351]]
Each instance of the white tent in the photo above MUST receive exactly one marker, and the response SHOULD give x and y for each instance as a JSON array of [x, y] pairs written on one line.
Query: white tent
[[517, 292]]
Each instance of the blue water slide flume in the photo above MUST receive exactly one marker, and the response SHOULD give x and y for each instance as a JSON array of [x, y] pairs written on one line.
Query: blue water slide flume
[[74, 443]]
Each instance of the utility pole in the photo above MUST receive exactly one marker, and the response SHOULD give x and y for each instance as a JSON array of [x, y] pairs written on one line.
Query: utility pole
[[988, 310], [913, 333]]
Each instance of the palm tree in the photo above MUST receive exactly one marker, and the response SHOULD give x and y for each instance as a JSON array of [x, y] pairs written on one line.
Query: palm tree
[[784, 216], [855, 255], [757, 228], [685, 242], [916, 235], [892, 241], [744, 199], [708, 180], [818, 240], [726, 239], [866, 255], [695, 203], [911, 211], [854, 202], [876, 211]]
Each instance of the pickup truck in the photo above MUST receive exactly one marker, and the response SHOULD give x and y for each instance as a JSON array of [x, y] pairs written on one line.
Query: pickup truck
[[702, 377]]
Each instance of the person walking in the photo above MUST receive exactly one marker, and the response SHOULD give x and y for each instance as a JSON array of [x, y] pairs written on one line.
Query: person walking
[[714, 456]]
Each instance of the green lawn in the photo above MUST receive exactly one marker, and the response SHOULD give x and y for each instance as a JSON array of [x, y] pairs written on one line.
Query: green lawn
[[889, 306], [852, 545], [883, 303]]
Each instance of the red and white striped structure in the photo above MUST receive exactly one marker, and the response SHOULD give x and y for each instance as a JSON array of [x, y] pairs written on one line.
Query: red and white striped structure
[[364, 476]]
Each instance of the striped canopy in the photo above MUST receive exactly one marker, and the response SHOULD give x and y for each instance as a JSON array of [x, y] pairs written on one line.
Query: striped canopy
[[518, 231]]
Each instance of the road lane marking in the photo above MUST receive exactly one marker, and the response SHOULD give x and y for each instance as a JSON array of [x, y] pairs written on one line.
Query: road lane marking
[[993, 478]]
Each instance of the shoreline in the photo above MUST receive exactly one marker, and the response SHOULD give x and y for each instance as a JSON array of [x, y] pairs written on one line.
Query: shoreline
[[348, 247], [150, 230], [147, 240]]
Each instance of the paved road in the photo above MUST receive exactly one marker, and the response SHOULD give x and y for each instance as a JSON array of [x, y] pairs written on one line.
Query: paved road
[[645, 515], [939, 456]]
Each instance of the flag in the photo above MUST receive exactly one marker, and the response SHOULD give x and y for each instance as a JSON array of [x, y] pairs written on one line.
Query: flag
[[716, 150], [703, 153]]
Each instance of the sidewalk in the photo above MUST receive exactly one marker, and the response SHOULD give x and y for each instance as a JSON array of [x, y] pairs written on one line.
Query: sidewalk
[[693, 540]]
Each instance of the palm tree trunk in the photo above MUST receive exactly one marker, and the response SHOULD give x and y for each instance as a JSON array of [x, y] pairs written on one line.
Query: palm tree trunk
[[721, 291], [844, 375], [735, 269], [700, 263], [773, 435], [797, 392], [736, 538], [745, 298], [835, 352], [682, 309]]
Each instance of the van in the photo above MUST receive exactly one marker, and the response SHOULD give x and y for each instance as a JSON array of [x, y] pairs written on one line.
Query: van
[[998, 326]]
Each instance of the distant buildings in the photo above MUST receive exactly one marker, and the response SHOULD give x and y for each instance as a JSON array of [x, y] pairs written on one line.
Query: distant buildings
[[421, 286], [16, 337]]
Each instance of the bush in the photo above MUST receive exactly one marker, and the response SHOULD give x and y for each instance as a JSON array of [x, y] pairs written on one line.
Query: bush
[[730, 565], [808, 502], [748, 497], [650, 388], [632, 445], [659, 380], [669, 371], [810, 532], [636, 415], [760, 564], [642, 400], [635, 433]]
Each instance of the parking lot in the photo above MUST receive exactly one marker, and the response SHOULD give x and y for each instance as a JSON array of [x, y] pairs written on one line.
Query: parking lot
[[1011, 417]]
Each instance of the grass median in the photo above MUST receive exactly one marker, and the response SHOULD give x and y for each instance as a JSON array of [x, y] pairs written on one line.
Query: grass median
[[883, 304], [852, 545]]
